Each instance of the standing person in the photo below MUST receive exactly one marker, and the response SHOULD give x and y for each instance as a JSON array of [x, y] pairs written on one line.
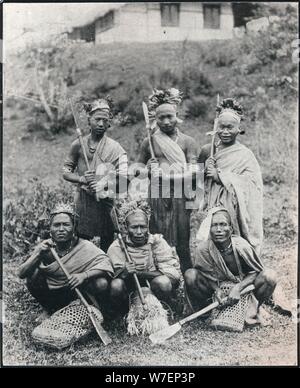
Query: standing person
[[233, 176], [89, 266], [173, 151], [105, 156]]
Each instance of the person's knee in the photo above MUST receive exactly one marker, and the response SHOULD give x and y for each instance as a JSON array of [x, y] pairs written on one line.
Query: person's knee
[[190, 277], [117, 287], [267, 277], [161, 284], [100, 285]]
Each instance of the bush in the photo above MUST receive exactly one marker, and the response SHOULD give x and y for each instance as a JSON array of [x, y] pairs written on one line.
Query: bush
[[274, 44], [197, 107], [195, 83], [25, 216]]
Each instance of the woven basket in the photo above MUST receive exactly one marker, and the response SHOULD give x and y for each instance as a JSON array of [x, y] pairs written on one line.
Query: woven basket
[[230, 318], [65, 326]]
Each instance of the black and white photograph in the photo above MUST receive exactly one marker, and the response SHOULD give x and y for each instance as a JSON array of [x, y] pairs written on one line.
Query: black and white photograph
[[150, 186]]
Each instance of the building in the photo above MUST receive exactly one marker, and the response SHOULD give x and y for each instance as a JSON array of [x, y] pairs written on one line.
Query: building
[[157, 22]]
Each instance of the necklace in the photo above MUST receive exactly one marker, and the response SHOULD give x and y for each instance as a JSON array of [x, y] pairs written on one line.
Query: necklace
[[227, 250], [64, 252], [92, 148]]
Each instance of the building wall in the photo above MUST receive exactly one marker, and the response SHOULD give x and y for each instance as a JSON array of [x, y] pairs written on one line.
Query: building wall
[[141, 22]]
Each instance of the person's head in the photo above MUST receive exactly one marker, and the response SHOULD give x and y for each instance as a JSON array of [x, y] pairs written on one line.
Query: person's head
[[221, 228], [166, 117], [99, 116], [63, 221], [138, 227], [228, 127], [99, 122], [230, 116], [62, 228]]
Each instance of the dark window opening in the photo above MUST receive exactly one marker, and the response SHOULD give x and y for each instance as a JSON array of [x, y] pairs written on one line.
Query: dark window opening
[[169, 14], [211, 14], [106, 22], [88, 33], [242, 12]]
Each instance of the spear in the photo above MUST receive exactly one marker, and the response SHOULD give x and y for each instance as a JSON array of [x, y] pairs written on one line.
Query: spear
[[78, 130], [212, 146], [148, 127]]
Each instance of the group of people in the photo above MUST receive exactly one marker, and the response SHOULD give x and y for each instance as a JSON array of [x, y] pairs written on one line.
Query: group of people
[[156, 233]]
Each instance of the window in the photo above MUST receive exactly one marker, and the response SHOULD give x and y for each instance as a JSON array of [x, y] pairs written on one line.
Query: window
[[211, 13], [88, 33], [169, 14], [107, 21]]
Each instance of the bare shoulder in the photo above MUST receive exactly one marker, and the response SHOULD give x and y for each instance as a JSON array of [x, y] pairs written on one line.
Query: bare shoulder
[[75, 145], [204, 153]]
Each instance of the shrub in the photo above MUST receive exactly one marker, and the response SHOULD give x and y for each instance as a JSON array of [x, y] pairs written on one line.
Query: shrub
[[195, 83], [25, 216], [197, 106]]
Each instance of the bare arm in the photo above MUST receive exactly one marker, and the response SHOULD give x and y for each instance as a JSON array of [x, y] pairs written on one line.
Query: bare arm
[[204, 153], [249, 279], [144, 154], [70, 165], [235, 293], [28, 268], [191, 151]]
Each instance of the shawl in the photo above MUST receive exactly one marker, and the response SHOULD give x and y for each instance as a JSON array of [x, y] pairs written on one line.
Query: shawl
[[85, 256], [153, 256], [240, 192]]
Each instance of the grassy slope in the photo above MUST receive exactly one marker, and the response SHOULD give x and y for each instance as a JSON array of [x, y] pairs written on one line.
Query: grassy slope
[[35, 157]]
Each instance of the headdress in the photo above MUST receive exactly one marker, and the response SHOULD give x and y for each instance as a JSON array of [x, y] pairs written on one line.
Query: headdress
[[127, 207], [105, 105], [158, 97], [231, 106], [63, 208]]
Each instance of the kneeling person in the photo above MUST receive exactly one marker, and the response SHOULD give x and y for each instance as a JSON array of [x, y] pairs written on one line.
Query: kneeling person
[[89, 266], [224, 257], [153, 262]]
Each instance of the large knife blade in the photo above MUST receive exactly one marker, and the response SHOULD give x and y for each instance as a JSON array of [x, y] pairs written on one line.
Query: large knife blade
[[146, 115], [148, 127]]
